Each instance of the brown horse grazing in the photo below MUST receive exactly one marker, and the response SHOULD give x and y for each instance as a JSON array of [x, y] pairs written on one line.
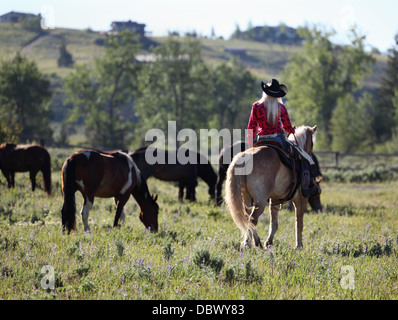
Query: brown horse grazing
[[266, 181], [104, 175], [186, 174], [22, 158]]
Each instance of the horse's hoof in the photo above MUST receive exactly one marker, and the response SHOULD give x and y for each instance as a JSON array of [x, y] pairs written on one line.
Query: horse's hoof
[[259, 245], [245, 244]]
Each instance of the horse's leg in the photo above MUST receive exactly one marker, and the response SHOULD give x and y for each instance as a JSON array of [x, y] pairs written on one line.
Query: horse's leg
[[122, 215], [7, 174], [254, 211], [273, 224], [121, 201], [181, 186], [11, 184], [32, 175], [300, 206], [257, 210], [87, 205], [220, 179], [190, 193], [247, 235]]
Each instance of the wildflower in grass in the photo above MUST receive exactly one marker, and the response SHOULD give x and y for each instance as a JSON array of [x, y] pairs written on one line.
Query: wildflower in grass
[[54, 248], [242, 297], [241, 254]]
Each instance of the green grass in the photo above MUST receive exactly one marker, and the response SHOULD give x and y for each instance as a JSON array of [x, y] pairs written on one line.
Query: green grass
[[196, 254]]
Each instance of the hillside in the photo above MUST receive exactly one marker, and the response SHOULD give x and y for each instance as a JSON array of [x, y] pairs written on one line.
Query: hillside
[[263, 60]]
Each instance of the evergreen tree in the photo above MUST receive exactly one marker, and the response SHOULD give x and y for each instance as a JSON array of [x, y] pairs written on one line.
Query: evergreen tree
[[351, 128], [24, 98], [387, 102], [174, 87], [65, 58], [102, 98], [319, 75]]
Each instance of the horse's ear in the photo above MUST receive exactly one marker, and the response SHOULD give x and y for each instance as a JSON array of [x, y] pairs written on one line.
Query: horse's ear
[[155, 197], [319, 180], [314, 128]]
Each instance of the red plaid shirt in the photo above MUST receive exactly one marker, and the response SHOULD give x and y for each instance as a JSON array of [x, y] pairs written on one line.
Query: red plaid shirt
[[258, 117]]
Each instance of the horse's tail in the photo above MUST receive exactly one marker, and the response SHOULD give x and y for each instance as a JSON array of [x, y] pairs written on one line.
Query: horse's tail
[[68, 192], [46, 170], [234, 198]]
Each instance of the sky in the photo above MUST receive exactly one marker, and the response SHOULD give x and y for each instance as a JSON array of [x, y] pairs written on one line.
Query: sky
[[377, 20]]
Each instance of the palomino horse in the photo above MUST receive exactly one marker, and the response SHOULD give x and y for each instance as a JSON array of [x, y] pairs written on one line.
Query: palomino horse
[[104, 175], [268, 182], [22, 158], [227, 154], [173, 170]]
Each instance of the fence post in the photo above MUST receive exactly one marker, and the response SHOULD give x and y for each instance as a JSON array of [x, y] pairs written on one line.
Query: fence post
[[336, 160]]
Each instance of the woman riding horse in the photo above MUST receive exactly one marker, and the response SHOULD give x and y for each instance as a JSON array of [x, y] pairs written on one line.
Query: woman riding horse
[[269, 115]]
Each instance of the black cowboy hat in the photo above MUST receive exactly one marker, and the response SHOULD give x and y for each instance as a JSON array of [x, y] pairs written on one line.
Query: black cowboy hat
[[274, 89]]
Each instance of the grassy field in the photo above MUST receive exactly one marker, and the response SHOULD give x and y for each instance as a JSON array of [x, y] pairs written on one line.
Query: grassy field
[[350, 250]]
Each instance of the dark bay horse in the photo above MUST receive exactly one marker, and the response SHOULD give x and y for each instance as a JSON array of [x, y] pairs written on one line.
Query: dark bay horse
[[186, 174], [266, 181], [23, 158], [226, 155], [229, 152], [104, 175]]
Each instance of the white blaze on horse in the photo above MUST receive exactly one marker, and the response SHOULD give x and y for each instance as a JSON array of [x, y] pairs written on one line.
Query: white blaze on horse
[[267, 183], [105, 175]]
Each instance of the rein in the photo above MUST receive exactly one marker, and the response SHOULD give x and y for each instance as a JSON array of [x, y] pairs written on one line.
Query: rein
[[295, 138]]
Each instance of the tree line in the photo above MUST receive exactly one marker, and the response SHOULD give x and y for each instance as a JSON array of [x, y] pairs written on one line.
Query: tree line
[[119, 99]]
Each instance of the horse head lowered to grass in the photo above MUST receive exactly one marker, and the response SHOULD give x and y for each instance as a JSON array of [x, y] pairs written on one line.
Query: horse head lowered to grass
[[267, 181], [105, 175]]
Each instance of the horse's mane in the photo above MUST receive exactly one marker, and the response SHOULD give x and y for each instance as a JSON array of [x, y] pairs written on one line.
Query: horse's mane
[[301, 136]]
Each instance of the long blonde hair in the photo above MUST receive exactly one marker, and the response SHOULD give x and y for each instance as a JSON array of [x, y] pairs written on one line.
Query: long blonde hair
[[271, 105]]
